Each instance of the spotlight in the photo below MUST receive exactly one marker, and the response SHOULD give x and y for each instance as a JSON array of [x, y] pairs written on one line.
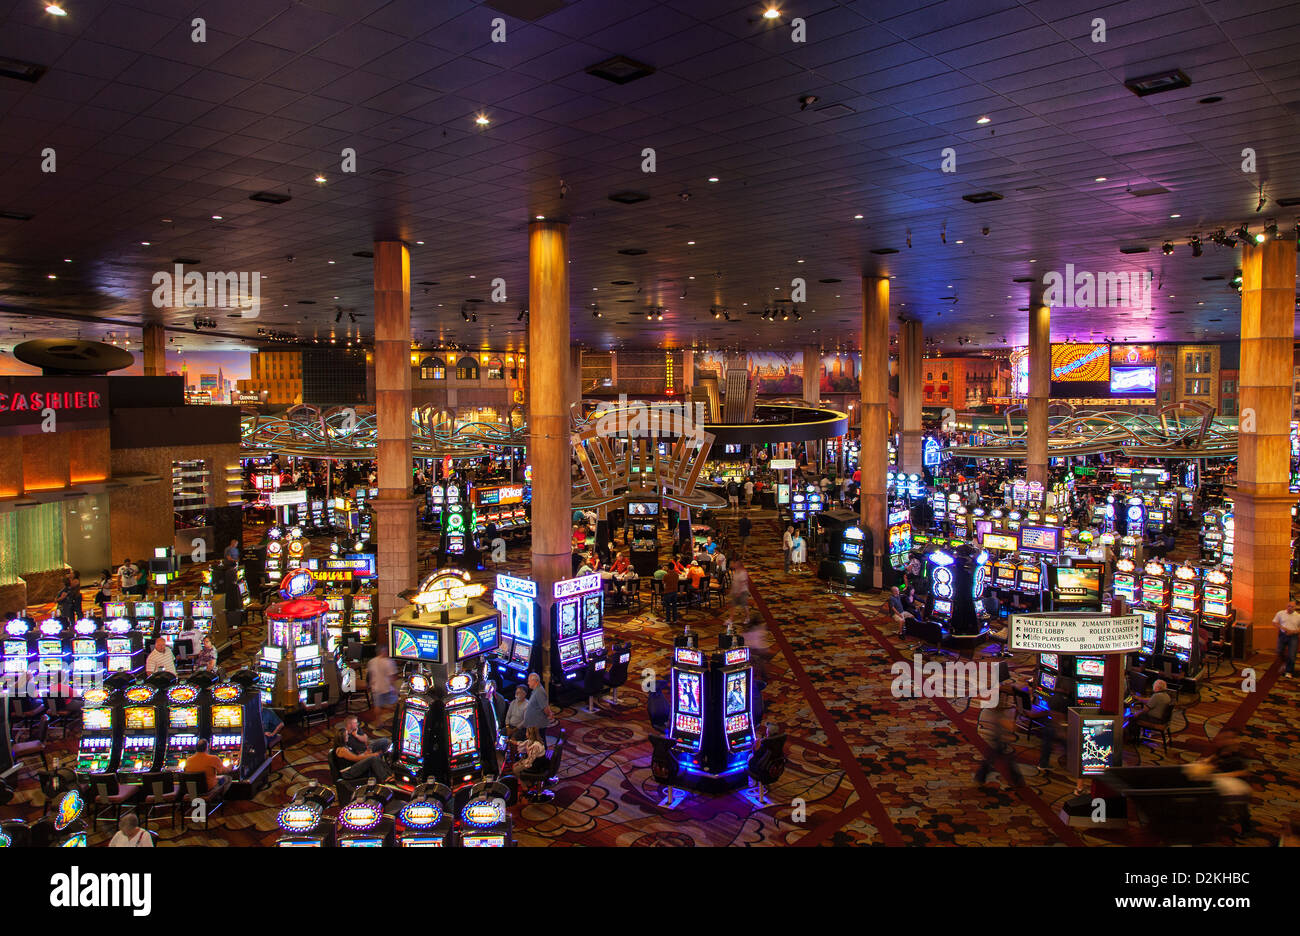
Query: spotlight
[[1195, 244], [1167, 248], [1262, 200], [473, 317], [338, 313], [660, 316], [520, 316], [464, 314], [1242, 233], [1270, 230], [595, 311], [716, 313], [649, 314]]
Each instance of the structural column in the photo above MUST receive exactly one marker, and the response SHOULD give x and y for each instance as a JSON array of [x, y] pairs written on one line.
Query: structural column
[[874, 454], [573, 385], [1040, 382], [394, 508], [909, 395], [155, 349], [550, 363], [1262, 501], [812, 375]]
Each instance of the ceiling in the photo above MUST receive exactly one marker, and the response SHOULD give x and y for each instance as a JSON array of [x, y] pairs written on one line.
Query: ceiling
[[154, 134]]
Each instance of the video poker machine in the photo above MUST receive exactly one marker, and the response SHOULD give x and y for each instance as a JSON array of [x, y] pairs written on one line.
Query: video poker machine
[[88, 663], [16, 648], [99, 747], [1124, 583], [186, 714]]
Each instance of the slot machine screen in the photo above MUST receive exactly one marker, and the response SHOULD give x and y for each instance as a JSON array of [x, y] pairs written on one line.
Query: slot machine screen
[[506, 648], [591, 615], [943, 607], [1148, 637], [688, 693], [1029, 578], [413, 733], [1181, 644], [1216, 601], [145, 609], [460, 734], [570, 654], [483, 841], [593, 642], [1047, 681], [1089, 667], [1005, 575], [522, 653], [96, 719], [140, 719], [568, 620], [1089, 690], [477, 637], [114, 609], [84, 646], [1097, 747], [737, 698], [1050, 660], [1184, 596], [201, 609], [361, 603], [183, 716], [227, 717], [173, 609]]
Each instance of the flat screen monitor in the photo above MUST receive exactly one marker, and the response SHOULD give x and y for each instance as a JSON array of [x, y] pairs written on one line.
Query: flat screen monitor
[[1089, 690], [1089, 666]]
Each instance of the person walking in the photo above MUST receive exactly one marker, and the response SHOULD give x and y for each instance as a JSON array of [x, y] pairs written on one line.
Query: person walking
[[745, 527], [1288, 635], [787, 545]]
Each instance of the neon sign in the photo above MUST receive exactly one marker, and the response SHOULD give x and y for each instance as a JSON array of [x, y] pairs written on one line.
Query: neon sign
[[447, 589]]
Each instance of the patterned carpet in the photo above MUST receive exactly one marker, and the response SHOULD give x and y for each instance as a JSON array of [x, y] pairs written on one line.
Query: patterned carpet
[[865, 768]]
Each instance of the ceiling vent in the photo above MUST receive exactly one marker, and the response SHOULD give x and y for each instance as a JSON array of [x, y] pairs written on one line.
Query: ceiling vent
[[20, 70], [1134, 250], [528, 10], [1148, 191], [628, 197], [633, 251], [620, 69], [980, 198], [1155, 84], [269, 198], [881, 251]]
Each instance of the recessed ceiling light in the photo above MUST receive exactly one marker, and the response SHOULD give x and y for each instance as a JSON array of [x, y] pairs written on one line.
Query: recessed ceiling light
[[320, 179], [798, 261], [50, 276], [1100, 178], [690, 243], [713, 178], [1175, 216], [540, 217], [482, 120], [144, 243], [985, 119], [771, 13], [216, 217], [420, 243], [1033, 261], [55, 10], [329, 261], [67, 260], [961, 242], [857, 217]]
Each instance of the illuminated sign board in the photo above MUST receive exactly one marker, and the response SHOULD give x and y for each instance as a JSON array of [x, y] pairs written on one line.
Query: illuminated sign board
[[415, 643], [567, 588], [516, 585], [1040, 539], [1000, 541], [447, 589], [1075, 633], [80, 402], [1080, 362], [1127, 355], [1133, 380]]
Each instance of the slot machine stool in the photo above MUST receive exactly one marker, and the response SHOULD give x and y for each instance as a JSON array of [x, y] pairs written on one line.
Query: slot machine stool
[[538, 777]]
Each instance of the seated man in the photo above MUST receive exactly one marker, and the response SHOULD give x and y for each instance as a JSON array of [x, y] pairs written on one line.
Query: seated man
[[202, 762], [272, 725], [366, 757], [896, 608], [1155, 708]]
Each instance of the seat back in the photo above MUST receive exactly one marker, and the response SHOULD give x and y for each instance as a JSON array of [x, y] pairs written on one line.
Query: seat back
[[768, 762], [557, 754], [663, 761], [103, 784], [618, 661], [193, 784], [162, 783]]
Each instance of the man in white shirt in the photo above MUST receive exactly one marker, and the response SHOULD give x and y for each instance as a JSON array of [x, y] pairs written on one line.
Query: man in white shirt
[[129, 573], [160, 658], [1288, 635], [749, 493], [787, 544]]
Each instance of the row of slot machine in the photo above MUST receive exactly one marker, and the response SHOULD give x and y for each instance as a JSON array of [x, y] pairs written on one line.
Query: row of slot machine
[[94, 646], [806, 504], [505, 506], [1019, 574], [286, 549], [349, 617], [1176, 603], [1076, 677], [142, 727], [957, 584], [428, 820], [712, 719], [1217, 536]]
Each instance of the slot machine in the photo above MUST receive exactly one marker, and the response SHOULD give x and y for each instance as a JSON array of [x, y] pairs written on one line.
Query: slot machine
[[437, 503], [1045, 677], [1029, 577], [943, 590], [484, 823], [1124, 583], [852, 553], [1229, 538], [123, 647], [235, 723], [185, 728], [798, 507], [201, 616], [145, 614], [593, 626], [413, 752], [337, 605], [88, 661], [1217, 598], [362, 824], [1155, 585], [17, 656], [141, 728], [1180, 641], [1088, 671], [1185, 590], [53, 651], [173, 622], [979, 581], [516, 599], [1004, 574], [98, 748], [737, 690], [300, 826], [686, 721], [361, 616], [423, 823], [274, 567], [574, 617], [1150, 632], [463, 753]]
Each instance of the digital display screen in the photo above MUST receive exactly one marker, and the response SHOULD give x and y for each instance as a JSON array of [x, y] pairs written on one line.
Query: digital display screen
[[642, 508], [1077, 362], [96, 719], [1078, 585], [140, 719], [477, 637], [145, 609], [115, 610], [522, 653], [173, 609], [1040, 539], [737, 697], [411, 644], [688, 693], [1047, 681], [568, 620], [227, 716], [461, 734], [1050, 660], [1089, 666], [413, 733], [687, 724], [570, 654], [1089, 690], [183, 716], [1097, 745]]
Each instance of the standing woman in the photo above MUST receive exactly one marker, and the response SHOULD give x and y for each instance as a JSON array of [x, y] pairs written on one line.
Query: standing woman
[[104, 588]]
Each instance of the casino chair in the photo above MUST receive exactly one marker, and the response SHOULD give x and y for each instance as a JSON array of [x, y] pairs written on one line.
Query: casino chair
[[544, 773], [19, 832], [767, 764], [108, 793], [615, 674], [593, 680], [37, 736], [346, 789], [194, 786], [54, 783], [1147, 730], [160, 793], [658, 707], [318, 707]]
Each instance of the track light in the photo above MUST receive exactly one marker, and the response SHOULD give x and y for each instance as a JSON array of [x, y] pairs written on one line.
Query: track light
[[1242, 233], [1195, 244], [520, 316], [649, 314], [464, 313], [595, 311], [1270, 230], [660, 316], [338, 313], [473, 317], [1167, 248], [1262, 200]]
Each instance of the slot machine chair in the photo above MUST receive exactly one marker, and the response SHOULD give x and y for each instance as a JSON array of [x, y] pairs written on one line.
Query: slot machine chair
[[544, 772], [766, 765], [160, 793], [19, 832], [616, 674], [108, 793], [195, 786], [593, 679], [12, 753], [54, 783], [929, 633], [658, 706]]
